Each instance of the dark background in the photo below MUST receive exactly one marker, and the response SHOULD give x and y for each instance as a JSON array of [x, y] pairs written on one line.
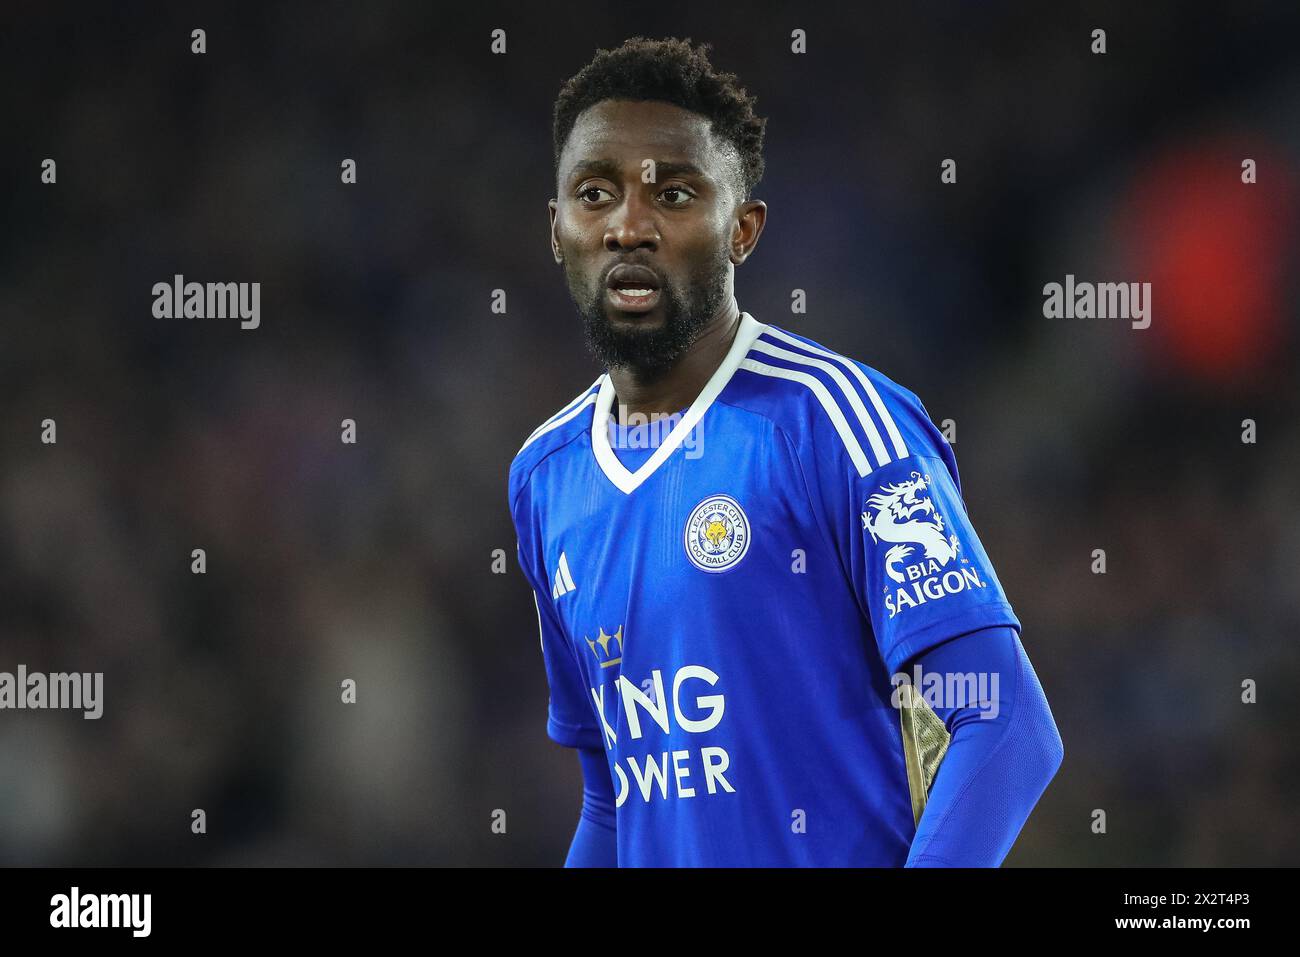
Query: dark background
[[373, 562]]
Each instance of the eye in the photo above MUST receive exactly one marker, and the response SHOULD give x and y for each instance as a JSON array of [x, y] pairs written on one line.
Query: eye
[[583, 193], [681, 191]]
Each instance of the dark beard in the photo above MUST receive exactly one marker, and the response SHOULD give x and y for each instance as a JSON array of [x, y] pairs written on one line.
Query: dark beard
[[652, 352]]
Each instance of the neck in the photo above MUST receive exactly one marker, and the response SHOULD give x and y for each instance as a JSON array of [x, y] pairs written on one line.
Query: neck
[[667, 391]]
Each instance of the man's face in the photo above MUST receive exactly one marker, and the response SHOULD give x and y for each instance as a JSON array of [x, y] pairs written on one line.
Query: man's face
[[671, 239]]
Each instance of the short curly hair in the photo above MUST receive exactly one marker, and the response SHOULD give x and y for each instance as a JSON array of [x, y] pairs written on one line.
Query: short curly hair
[[670, 71]]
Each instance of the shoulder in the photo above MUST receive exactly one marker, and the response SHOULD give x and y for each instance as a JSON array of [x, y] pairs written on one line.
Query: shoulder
[[552, 435], [832, 406]]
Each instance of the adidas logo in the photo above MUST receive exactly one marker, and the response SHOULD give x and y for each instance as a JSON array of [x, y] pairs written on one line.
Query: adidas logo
[[563, 580]]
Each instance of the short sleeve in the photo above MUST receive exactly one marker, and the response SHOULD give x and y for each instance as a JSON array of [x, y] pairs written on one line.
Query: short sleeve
[[916, 561], [571, 717], [894, 513]]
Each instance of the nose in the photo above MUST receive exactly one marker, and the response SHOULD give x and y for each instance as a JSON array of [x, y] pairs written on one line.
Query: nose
[[631, 225]]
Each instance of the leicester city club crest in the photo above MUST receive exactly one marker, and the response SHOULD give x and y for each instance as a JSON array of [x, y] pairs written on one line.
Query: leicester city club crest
[[717, 534]]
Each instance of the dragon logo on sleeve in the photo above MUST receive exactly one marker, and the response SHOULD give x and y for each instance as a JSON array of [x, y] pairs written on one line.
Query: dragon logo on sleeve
[[892, 516]]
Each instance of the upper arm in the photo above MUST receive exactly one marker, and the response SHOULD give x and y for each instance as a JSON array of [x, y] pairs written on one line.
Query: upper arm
[[571, 718], [904, 536]]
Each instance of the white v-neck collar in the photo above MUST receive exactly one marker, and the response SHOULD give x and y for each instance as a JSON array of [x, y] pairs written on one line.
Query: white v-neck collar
[[750, 329]]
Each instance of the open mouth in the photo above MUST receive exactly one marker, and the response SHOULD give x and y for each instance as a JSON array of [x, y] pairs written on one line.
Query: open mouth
[[633, 300], [632, 288]]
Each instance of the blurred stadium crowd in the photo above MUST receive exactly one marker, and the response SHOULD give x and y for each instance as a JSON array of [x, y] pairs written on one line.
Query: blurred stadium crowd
[[373, 561]]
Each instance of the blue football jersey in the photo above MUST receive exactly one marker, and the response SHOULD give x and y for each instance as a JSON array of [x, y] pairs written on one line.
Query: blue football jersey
[[721, 609]]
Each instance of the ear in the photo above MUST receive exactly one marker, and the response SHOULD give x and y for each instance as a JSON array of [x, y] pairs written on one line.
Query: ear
[[750, 219], [554, 207]]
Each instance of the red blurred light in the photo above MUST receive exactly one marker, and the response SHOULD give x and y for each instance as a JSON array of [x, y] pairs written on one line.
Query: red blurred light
[[1215, 250]]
